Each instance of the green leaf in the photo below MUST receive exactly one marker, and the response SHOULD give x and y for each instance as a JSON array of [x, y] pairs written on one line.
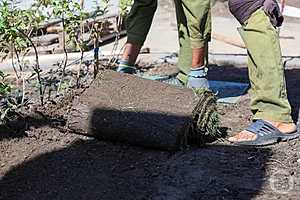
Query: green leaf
[[4, 89], [4, 114], [2, 75]]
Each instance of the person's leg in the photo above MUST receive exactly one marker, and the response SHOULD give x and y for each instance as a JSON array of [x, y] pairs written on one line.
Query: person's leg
[[268, 89], [194, 28], [138, 24], [185, 50]]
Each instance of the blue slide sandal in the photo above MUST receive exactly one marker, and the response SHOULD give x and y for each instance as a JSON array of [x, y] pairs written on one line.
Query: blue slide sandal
[[267, 134]]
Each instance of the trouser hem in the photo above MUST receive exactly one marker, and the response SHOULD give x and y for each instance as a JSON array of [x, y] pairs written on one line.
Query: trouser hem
[[135, 39], [198, 43], [274, 117]]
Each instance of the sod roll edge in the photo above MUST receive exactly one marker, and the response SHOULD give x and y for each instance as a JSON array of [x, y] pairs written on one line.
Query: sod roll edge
[[125, 108]]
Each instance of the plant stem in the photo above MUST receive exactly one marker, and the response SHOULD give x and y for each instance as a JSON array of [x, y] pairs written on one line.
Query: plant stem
[[64, 47], [18, 59], [79, 42], [96, 55], [12, 61], [65, 52], [115, 47], [36, 68], [23, 91]]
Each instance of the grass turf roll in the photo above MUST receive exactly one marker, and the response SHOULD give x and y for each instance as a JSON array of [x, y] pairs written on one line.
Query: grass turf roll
[[125, 108]]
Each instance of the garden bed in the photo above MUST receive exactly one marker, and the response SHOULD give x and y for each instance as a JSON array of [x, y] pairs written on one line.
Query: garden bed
[[47, 162], [41, 159]]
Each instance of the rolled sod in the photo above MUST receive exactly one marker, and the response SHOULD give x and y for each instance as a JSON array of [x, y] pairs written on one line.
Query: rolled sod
[[125, 108]]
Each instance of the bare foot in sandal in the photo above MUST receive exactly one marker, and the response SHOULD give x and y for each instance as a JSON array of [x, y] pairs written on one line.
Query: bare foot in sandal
[[286, 128]]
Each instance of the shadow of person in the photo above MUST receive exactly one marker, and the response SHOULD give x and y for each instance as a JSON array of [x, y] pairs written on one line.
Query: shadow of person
[[17, 126], [98, 170]]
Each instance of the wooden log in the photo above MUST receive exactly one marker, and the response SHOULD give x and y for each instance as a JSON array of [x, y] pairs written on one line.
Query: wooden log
[[238, 42], [54, 29], [45, 40], [107, 26], [126, 108], [229, 40], [90, 16]]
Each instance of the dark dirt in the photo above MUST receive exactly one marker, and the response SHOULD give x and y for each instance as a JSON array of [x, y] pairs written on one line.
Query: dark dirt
[[46, 162]]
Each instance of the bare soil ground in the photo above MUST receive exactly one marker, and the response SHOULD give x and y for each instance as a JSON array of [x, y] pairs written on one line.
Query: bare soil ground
[[44, 161]]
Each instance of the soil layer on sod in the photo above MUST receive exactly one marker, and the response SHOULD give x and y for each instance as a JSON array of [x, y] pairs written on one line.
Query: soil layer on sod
[[125, 108]]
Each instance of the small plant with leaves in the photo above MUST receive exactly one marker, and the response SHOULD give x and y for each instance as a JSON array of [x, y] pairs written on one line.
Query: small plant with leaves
[[72, 15], [125, 6], [4, 87], [16, 28], [97, 30], [5, 90], [10, 26]]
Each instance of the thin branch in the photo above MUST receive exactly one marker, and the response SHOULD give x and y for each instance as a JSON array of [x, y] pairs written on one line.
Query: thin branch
[[66, 54], [36, 67], [12, 61]]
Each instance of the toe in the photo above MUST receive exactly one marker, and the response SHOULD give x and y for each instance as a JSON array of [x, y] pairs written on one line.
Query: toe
[[242, 136]]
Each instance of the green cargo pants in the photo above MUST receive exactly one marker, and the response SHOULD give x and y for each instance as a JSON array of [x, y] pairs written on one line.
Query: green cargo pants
[[194, 31], [194, 27], [139, 20], [268, 88]]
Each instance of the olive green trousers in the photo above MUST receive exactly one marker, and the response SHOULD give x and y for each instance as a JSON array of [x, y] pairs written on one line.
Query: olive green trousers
[[268, 87], [194, 31], [194, 27]]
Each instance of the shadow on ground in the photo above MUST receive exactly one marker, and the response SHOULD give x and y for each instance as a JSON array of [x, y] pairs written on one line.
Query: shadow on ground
[[17, 127], [97, 170]]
